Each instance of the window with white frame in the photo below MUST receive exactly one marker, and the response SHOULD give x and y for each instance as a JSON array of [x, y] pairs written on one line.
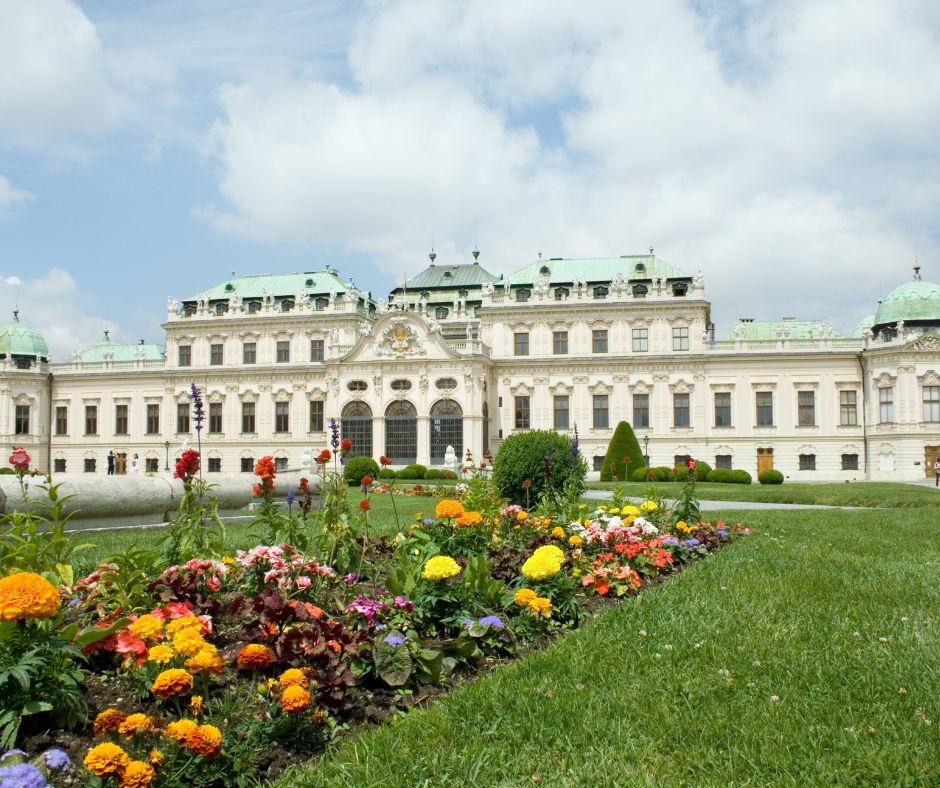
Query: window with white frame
[[931, 403], [680, 339], [886, 405]]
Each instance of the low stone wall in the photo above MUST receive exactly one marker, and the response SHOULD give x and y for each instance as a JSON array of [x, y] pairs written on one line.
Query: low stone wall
[[122, 501]]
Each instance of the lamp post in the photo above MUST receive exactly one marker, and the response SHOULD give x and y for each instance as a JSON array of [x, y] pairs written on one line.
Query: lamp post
[[646, 449], [167, 445]]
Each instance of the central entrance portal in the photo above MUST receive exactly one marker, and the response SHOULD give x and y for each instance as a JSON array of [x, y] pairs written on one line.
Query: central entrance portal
[[401, 433], [446, 430]]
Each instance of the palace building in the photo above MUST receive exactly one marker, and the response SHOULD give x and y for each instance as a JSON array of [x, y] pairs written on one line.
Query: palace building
[[464, 358]]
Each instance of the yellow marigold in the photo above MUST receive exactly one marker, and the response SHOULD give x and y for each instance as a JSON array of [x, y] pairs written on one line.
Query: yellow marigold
[[172, 682], [649, 506], [155, 758], [440, 568], [147, 627], [109, 720], [160, 654], [295, 699], [614, 511], [419, 515], [227, 560], [178, 625], [558, 532], [188, 642], [630, 511], [25, 595], [448, 509], [541, 607], [524, 596], [206, 740], [522, 516], [137, 774], [552, 552], [575, 540], [255, 657], [179, 731], [205, 660], [136, 723], [469, 519], [293, 677], [540, 567], [196, 706], [602, 508], [106, 758]]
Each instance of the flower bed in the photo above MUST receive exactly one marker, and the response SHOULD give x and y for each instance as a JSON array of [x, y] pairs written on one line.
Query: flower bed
[[191, 667]]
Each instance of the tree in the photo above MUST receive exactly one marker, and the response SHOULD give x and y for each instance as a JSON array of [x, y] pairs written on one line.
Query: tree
[[622, 444]]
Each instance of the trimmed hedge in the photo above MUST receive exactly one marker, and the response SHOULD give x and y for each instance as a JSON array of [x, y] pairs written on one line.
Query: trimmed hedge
[[702, 469], [388, 473], [770, 477], [522, 456], [435, 473], [639, 475], [741, 477], [721, 476], [413, 472], [358, 467], [622, 444], [681, 474]]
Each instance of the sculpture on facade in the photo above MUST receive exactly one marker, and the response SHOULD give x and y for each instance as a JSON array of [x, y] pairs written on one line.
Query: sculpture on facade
[[487, 288], [172, 305], [306, 460], [450, 460], [381, 306], [698, 281]]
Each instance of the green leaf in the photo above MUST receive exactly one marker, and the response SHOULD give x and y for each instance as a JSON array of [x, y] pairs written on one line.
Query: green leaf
[[35, 707], [429, 663], [94, 634], [394, 665]]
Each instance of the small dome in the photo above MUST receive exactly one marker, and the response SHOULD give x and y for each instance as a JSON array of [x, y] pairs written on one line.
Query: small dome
[[18, 339], [868, 322], [912, 301]]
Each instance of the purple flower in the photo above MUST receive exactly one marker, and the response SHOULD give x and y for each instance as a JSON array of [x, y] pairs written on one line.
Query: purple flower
[[290, 496], [574, 443], [199, 414], [467, 623], [380, 591], [24, 775], [670, 541], [352, 577], [394, 641], [75, 602], [404, 604], [57, 759], [427, 521], [493, 621], [381, 627], [691, 544], [334, 441]]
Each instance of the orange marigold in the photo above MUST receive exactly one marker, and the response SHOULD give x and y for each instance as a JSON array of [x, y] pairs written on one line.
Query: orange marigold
[[137, 774], [25, 595], [524, 596], [177, 625], [469, 519], [147, 627], [448, 509], [255, 657], [155, 758], [189, 642], [206, 740], [196, 706], [106, 758], [292, 677], [295, 699], [179, 731], [109, 720], [205, 660], [172, 682], [136, 723]]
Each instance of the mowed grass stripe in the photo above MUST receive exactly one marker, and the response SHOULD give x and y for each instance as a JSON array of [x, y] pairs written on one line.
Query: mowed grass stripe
[[648, 714]]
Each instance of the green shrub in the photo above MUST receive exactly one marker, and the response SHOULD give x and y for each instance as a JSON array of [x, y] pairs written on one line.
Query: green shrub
[[721, 476], [521, 457], [622, 444], [702, 469], [770, 477], [413, 472], [435, 473], [681, 474], [639, 475], [741, 477], [7, 471], [358, 467], [388, 473]]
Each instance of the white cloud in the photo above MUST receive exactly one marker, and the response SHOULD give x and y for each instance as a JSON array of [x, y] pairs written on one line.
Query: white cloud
[[10, 197], [53, 305]]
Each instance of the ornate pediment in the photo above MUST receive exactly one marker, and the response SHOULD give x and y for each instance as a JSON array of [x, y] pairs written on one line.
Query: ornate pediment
[[806, 386], [248, 396], [929, 378], [399, 339], [848, 385], [929, 341], [641, 387], [722, 388], [316, 393], [561, 390], [24, 399], [885, 381], [182, 397], [522, 390], [283, 396], [681, 387], [600, 388], [216, 396]]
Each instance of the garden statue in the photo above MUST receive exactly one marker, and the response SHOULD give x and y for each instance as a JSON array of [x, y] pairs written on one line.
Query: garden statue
[[306, 461], [450, 460], [185, 447]]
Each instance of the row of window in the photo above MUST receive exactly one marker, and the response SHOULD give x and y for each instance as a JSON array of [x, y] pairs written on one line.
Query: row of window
[[680, 341], [152, 465], [724, 461], [249, 353]]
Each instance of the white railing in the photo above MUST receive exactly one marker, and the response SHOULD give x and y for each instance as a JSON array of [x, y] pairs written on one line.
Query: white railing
[[783, 345]]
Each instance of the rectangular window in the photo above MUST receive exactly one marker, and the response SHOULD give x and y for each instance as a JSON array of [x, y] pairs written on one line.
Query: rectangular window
[[151, 465], [186, 356], [849, 462], [215, 417], [599, 339], [640, 340], [561, 413], [182, 417], [848, 414], [120, 420], [723, 461], [282, 417], [62, 421], [559, 342], [807, 408], [598, 463], [641, 410], [280, 463], [91, 419], [522, 344], [316, 350], [680, 410], [215, 465], [886, 401], [248, 417], [247, 464], [283, 352], [89, 466], [807, 462], [316, 415], [765, 409], [59, 466], [723, 409], [153, 419], [522, 412], [21, 425], [249, 353], [215, 355], [931, 403], [680, 339], [601, 412]]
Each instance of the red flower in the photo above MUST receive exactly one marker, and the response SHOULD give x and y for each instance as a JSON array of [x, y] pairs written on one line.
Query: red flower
[[324, 456], [346, 445], [613, 464], [303, 484], [188, 465], [367, 480], [463, 470], [626, 459], [482, 464], [383, 460], [525, 483], [675, 470], [19, 458], [364, 505], [265, 468], [690, 464]]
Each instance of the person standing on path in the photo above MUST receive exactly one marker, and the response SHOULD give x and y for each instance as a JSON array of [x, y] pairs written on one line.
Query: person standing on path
[[135, 466], [111, 463]]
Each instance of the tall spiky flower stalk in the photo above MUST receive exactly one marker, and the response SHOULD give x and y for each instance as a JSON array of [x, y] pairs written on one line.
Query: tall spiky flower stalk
[[199, 416]]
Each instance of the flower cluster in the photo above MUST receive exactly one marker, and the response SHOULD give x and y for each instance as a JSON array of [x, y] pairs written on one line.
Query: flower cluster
[[447, 509], [468, 519], [25, 595], [545, 563], [255, 657], [285, 565], [441, 567], [188, 466], [264, 469]]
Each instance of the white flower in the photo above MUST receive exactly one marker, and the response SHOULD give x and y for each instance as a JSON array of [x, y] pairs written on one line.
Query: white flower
[[774, 699]]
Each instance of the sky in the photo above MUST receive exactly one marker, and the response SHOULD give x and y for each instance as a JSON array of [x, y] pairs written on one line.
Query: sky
[[786, 149]]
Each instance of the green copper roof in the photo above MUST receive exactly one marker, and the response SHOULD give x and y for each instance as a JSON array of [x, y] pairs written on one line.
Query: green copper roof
[[18, 339], [914, 300], [278, 284], [799, 329], [597, 269], [94, 353], [465, 275], [868, 322]]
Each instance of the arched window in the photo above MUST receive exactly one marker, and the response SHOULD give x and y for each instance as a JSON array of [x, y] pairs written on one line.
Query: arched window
[[401, 433], [639, 291], [308, 283], [545, 270], [321, 304], [600, 292], [356, 426], [446, 428], [562, 293], [522, 294]]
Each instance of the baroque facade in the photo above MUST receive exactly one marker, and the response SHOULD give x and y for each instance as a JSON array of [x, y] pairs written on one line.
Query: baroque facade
[[461, 357]]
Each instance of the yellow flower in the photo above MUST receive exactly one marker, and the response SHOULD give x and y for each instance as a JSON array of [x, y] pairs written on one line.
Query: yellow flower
[[540, 568], [172, 682], [448, 509], [541, 606], [583, 506], [522, 516], [440, 567], [524, 596], [160, 654], [614, 511], [205, 660], [179, 731], [630, 511], [575, 540], [177, 625], [552, 552], [558, 532], [137, 774], [136, 723], [25, 595], [295, 699], [155, 758], [293, 677], [196, 706], [188, 642], [602, 508], [419, 515], [105, 759], [147, 627], [227, 560], [649, 506]]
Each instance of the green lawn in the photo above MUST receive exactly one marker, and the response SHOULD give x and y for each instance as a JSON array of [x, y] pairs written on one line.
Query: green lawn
[[797, 612], [865, 494]]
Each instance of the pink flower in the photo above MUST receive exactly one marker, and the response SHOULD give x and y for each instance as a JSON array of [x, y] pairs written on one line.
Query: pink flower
[[19, 458], [303, 581], [270, 575], [214, 583]]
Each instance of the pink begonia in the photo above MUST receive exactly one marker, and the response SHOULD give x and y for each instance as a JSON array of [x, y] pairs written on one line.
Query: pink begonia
[[368, 607]]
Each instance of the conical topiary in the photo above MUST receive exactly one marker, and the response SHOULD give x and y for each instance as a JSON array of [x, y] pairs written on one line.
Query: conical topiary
[[622, 444]]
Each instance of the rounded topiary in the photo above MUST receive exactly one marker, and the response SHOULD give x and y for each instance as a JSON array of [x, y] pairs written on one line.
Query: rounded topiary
[[388, 473], [622, 444], [681, 474], [770, 477], [358, 467], [702, 469], [721, 476], [435, 473], [413, 472], [640, 475], [448, 475], [521, 457], [741, 477]]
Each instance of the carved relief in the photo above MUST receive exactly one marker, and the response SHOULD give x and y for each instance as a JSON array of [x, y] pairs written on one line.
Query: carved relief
[[399, 340], [522, 390], [722, 388], [561, 390], [926, 342], [600, 388], [929, 378], [884, 381], [681, 387], [216, 396], [640, 387], [806, 386], [248, 396], [283, 396]]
